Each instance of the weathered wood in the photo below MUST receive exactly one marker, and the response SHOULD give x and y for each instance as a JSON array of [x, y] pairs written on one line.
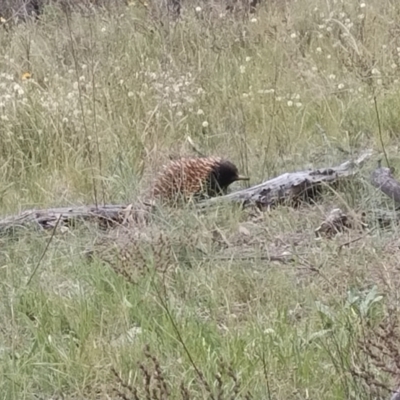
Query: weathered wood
[[283, 187], [291, 185], [46, 219], [396, 395], [383, 179]]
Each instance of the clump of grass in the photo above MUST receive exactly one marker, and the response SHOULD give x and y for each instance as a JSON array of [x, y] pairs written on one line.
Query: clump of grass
[[378, 366], [92, 104], [155, 385]]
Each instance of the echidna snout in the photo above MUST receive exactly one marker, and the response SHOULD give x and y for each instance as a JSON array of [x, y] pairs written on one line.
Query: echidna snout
[[195, 177]]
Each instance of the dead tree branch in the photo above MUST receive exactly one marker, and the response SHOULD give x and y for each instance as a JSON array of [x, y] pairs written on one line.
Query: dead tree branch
[[292, 186], [383, 179]]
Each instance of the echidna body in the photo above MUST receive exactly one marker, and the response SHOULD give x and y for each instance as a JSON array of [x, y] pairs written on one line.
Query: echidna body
[[195, 177]]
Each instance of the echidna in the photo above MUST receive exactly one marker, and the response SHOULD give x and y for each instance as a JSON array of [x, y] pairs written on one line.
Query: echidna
[[195, 177]]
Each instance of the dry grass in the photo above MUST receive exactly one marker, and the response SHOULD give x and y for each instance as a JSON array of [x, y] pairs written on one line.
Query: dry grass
[[92, 105]]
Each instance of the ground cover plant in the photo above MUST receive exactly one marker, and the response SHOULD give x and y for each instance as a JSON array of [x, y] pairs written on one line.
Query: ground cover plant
[[93, 103]]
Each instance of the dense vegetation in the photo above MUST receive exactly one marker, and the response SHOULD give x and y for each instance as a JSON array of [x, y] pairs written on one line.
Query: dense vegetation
[[93, 103]]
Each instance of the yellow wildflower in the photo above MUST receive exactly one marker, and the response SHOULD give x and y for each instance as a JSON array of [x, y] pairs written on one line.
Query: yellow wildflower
[[26, 76]]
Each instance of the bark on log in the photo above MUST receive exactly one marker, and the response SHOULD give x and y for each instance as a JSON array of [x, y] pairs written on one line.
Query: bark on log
[[291, 186], [283, 187], [47, 219], [396, 395], [383, 179]]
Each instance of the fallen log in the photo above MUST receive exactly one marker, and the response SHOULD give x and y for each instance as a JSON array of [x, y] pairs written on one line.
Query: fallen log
[[269, 193], [292, 185], [383, 179], [106, 215]]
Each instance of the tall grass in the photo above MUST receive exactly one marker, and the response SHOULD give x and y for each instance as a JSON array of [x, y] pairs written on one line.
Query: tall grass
[[92, 105]]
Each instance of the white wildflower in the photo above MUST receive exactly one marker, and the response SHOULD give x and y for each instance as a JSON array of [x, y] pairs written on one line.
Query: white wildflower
[[131, 94], [293, 35], [318, 50], [200, 112], [204, 124], [242, 69], [198, 9], [341, 86], [18, 89], [290, 103]]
